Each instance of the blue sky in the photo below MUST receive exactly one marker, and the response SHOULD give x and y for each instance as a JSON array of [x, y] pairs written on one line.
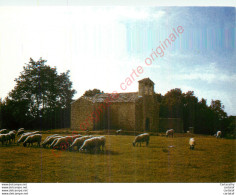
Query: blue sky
[[202, 59], [102, 45]]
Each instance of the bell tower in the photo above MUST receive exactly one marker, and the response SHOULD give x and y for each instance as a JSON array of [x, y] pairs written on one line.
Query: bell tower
[[149, 108], [146, 87]]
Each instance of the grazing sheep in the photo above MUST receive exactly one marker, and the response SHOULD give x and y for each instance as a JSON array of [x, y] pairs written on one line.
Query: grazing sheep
[[25, 135], [63, 142], [8, 137], [48, 137], [79, 142], [20, 131], [118, 132], [192, 143], [93, 144], [5, 138], [2, 138], [76, 136], [12, 135], [49, 140], [4, 131], [141, 138], [32, 139], [170, 132], [55, 141], [218, 134]]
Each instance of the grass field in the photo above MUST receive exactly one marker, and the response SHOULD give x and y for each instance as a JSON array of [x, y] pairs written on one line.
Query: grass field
[[213, 160]]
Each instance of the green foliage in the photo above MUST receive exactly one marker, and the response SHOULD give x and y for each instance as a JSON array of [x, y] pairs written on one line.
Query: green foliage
[[91, 93], [40, 94], [205, 119]]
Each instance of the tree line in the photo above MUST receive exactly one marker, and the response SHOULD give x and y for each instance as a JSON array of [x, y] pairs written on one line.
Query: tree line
[[197, 114], [41, 99]]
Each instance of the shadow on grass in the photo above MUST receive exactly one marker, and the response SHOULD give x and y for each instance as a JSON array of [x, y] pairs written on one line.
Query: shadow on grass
[[156, 147], [8, 146], [106, 152], [199, 149]]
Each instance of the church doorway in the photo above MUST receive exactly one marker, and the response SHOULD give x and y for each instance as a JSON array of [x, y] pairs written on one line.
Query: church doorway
[[147, 124]]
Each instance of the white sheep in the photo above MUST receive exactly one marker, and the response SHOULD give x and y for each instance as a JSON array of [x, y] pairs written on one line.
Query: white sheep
[[12, 135], [93, 144], [118, 132], [48, 137], [50, 140], [35, 138], [25, 135], [192, 143], [2, 137], [5, 138], [55, 141], [79, 142], [170, 132], [63, 142], [20, 131], [141, 138], [188, 131], [218, 134], [4, 131], [8, 137]]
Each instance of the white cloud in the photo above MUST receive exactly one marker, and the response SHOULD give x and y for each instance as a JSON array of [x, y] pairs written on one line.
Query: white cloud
[[209, 73]]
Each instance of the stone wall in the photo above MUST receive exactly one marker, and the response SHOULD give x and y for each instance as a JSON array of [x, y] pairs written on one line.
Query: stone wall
[[139, 115], [150, 112], [81, 111], [121, 115], [146, 109], [101, 121]]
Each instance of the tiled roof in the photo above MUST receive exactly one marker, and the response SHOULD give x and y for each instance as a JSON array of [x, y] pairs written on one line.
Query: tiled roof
[[146, 81], [122, 97]]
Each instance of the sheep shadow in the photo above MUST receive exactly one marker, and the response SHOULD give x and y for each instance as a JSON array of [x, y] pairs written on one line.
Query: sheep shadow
[[199, 149], [156, 147], [105, 152], [9, 145]]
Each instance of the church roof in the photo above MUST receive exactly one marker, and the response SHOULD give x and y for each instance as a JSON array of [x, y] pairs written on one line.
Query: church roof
[[122, 97], [146, 81]]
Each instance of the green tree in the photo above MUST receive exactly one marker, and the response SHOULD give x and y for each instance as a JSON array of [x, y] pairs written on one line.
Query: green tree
[[41, 91], [91, 93], [172, 104]]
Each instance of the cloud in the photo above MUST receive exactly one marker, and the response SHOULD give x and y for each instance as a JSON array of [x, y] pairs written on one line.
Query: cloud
[[209, 73]]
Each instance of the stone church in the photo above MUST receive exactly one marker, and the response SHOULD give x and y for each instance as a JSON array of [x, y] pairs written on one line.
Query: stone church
[[129, 111]]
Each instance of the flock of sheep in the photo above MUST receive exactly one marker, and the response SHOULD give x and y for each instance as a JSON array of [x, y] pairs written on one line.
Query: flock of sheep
[[82, 143]]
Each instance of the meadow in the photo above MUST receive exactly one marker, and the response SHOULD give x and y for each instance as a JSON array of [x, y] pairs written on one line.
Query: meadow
[[164, 160]]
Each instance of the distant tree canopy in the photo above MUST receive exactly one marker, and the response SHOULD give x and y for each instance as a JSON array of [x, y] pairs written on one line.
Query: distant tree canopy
[[91, 93], [205, 119], [40, 99]]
